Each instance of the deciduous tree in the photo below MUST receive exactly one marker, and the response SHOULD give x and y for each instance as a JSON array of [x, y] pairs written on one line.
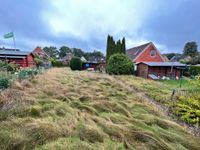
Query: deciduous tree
[[190, 49]]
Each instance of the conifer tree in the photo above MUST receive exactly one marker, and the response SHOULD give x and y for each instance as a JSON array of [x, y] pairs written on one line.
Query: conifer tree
[[112, 49], [123, 45], [108, 47], [118, 46]]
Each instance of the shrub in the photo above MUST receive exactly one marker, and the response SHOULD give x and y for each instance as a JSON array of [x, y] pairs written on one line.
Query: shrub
[[27, 73], [39, 60], [120, 64], [194, 70], [10, 67], [58, 64], [76, 63], [188, 108], [4, 82]]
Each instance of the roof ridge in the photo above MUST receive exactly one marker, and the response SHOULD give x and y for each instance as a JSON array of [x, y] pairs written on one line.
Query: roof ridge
[[146, 44]]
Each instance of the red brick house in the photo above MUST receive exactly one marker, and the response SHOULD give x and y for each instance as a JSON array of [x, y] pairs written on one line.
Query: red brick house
[[158, 70], [149, 63], [145, 53]]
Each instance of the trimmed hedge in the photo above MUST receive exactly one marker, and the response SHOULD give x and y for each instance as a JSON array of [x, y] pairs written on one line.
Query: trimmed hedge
[[120, 64], [194, 70], [76, 63]]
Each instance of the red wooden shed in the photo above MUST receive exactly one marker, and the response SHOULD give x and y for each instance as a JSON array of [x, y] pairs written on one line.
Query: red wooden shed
[[22, 58]]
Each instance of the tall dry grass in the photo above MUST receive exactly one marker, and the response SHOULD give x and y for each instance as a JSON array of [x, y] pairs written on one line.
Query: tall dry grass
[[61, 109]]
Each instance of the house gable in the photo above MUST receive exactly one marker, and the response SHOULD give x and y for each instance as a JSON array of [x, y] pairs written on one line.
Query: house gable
[[39, 51], [149, 54], [134, 52]]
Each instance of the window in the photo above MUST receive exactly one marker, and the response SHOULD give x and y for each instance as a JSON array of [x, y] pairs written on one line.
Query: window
[[153, 53]]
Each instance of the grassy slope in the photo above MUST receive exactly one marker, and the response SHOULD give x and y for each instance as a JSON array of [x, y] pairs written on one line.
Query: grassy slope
[[62, 109]]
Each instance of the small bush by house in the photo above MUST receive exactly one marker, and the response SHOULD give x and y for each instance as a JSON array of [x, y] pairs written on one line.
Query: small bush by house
[[194, 70], [120, 64], [76, 63]]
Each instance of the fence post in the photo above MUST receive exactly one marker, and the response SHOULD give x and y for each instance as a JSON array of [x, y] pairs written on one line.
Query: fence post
[[173, 92]]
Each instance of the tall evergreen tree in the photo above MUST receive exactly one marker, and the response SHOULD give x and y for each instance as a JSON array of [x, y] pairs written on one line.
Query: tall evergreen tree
[[124, 45], [112, 49], [108, 47], [118, 46]]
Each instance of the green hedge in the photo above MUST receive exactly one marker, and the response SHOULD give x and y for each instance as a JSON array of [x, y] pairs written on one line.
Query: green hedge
[[194, 70], [120, 64]]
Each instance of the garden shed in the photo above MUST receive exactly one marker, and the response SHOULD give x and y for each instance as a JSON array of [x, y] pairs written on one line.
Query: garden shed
[[22, 58], [160, 69]]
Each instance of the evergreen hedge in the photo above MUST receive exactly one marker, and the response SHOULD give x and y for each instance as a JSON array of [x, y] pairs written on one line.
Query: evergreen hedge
[[120, 64], [76, 63]]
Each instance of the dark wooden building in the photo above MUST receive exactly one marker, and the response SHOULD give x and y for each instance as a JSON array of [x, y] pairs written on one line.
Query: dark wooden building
[[94, 63], [158, 70]]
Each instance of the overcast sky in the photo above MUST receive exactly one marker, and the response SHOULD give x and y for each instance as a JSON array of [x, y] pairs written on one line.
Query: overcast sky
[[85, 24]]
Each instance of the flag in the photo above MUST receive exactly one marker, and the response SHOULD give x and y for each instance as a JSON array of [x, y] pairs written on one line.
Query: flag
[[9, 35]]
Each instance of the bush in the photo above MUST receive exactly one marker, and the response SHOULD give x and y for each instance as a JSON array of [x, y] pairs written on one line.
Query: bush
[[38, 60], [58, 64], [4, 82], [188, 108], [76, 63], [120, 64], [194, 70], [10, 67], [27, 73]]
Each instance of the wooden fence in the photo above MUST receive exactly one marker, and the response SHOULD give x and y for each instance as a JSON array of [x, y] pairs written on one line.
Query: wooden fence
[[184, 92]]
